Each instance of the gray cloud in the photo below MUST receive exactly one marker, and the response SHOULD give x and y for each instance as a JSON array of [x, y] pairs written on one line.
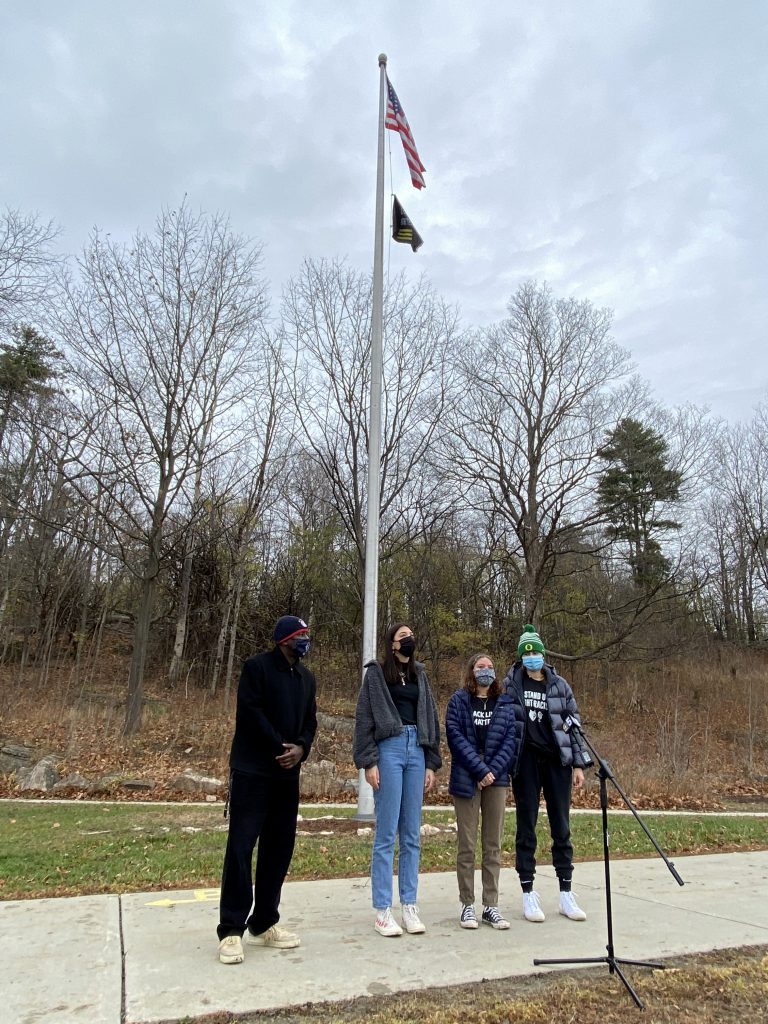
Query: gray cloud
[[615, 150]]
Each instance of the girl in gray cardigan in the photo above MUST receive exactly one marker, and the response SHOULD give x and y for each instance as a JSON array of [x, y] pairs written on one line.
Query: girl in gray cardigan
[[397, 742]]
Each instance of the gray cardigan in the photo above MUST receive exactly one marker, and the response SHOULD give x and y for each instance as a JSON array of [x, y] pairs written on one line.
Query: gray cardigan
[[376, 718]]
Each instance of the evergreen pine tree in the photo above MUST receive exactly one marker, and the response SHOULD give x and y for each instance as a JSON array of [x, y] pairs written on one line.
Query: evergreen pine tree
[[635, 485]]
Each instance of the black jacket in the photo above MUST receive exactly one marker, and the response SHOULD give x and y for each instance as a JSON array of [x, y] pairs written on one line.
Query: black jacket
[[561, 703], [275, 705]]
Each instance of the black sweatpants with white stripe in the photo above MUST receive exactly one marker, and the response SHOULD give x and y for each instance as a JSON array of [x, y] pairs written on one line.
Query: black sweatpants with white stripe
[[537, 774]]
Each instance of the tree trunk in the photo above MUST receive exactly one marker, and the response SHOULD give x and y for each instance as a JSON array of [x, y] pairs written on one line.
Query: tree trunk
[[222, 638], [135, 699], [186, 576], [233, 633], [181, 621]]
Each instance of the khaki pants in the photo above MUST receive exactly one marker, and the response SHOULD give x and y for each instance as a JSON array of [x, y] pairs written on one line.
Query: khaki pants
[[488, 804]]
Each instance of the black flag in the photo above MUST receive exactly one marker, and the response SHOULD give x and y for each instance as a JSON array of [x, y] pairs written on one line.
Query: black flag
[[402, 228]]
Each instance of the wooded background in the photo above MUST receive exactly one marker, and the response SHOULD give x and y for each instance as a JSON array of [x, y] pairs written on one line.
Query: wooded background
[[182, 461]]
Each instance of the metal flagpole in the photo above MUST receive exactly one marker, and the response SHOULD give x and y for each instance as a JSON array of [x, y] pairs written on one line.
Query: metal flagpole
[[365, 807]]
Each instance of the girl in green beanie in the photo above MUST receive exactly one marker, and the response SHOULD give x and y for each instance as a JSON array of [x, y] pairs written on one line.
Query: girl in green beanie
[[551, 760]]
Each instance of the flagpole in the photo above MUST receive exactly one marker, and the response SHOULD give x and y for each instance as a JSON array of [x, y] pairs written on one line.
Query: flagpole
[[365, 805]]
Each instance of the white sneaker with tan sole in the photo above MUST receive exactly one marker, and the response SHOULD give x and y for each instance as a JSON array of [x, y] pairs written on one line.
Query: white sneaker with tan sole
[[231, 950], [276, 937]]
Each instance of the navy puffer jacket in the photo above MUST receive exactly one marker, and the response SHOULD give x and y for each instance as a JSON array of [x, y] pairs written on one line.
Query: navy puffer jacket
[[501, 744], [560, 704]]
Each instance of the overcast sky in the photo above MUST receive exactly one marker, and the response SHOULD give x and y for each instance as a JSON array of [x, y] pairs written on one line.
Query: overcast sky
[[617, 150]]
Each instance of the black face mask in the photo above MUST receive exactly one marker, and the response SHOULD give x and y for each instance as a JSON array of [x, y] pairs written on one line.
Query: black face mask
[[407, 646]]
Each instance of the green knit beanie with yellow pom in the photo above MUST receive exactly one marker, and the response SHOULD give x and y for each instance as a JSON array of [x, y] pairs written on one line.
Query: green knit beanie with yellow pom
[[530, 642]]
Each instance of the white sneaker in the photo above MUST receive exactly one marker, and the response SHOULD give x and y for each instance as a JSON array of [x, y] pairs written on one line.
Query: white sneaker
[[385, 924], [277, 937], [570, 908], [411, 920], [532, 907], [231, 950], [468, 917]]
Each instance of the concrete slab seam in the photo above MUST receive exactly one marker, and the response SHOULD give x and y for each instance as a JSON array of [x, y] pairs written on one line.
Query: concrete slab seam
[[123, 1008], [688, 910]]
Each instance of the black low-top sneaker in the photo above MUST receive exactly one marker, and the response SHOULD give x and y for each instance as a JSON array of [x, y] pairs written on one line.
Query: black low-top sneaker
[[492, 917]]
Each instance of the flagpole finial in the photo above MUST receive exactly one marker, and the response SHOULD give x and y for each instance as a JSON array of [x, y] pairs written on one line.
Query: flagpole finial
[[382, 58]]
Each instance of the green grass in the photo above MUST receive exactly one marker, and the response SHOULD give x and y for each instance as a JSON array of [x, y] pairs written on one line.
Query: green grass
[[51, 849]]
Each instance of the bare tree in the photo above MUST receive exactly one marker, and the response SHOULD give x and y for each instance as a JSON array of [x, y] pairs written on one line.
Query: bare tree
[[27, 263], [743, 461], [536, 394], [737, 517], [261, 411], [161, 337], [326, 321], [259, 464]]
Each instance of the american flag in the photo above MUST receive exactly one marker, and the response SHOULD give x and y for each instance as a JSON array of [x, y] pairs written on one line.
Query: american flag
[[398, 122]]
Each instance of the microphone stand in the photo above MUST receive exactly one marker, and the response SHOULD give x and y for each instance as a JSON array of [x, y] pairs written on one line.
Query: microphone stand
[[612, 961]]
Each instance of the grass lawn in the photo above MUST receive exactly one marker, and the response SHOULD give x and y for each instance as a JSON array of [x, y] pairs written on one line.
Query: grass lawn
[[49, 849]]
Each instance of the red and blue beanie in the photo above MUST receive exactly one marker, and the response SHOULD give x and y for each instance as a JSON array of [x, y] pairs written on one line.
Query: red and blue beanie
[[288, 626]]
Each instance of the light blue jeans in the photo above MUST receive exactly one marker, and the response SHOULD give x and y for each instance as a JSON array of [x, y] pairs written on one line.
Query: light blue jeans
[[398, 803]]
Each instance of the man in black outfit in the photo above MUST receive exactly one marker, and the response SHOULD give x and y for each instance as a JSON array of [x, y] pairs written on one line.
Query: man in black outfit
[[275, 725]]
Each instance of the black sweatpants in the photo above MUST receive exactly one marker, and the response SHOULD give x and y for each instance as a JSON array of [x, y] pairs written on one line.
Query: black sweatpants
[[262, 809], [534, 775]]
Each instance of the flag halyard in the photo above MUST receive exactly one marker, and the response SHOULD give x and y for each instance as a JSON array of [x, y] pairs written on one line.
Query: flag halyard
[[396, 121]]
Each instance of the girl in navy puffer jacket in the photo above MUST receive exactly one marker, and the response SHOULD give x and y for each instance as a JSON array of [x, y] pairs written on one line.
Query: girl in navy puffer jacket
[[483, 736]]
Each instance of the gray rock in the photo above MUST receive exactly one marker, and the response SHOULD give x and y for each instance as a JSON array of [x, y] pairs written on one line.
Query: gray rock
[[336, 723], [107, 783], [192, 782], [42, 778], [138, 784], [73, 781], [14, 756], [320, 780]]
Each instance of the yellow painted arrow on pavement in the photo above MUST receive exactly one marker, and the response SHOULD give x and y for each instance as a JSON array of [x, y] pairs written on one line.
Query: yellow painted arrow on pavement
[[199, 896]]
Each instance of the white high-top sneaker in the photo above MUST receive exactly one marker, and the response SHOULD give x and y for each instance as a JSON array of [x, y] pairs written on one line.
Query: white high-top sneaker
[[385, 924], [411, 920], [532, 907], [570, 908]]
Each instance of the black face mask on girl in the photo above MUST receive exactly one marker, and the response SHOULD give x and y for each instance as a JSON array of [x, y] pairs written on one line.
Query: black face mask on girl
[[407, 646]]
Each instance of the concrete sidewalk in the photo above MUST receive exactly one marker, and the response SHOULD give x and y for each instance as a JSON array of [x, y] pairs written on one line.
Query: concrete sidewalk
[[149, 957]]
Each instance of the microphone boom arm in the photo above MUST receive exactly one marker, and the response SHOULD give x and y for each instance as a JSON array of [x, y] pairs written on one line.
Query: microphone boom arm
[[605, 771]]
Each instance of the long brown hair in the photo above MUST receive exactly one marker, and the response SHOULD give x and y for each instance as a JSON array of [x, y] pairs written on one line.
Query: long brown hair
[[470, 683], [391, 666]]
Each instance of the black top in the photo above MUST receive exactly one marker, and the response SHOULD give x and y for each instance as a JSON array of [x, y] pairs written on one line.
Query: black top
[[275, 705], [405, 694], [482, 712], [538, 725]]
